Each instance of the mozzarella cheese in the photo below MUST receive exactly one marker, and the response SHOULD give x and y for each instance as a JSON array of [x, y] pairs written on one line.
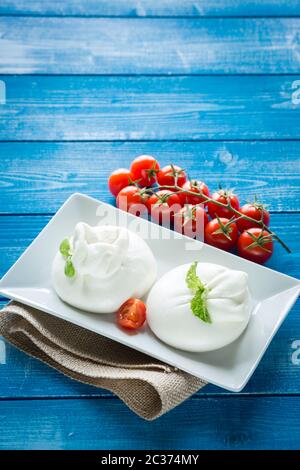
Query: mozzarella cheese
[[111, 265], [170, 316]]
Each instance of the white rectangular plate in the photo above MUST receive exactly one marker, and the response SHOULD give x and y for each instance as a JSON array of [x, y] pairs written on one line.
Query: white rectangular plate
[[28, 281]]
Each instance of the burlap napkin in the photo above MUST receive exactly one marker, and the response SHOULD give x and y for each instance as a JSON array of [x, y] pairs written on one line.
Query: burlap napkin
[[147, 386]]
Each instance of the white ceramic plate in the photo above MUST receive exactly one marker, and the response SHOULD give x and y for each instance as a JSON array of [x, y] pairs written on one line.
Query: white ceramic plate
[[28, 281]]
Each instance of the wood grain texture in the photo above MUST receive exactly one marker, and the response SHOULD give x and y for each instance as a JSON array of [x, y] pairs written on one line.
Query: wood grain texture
[[142, 8], [237, 129], [149, 46], [150, 108], [231, 423], [39, 176]]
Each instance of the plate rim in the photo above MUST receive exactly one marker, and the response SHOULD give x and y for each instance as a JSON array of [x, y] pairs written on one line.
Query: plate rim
[[233, 387]]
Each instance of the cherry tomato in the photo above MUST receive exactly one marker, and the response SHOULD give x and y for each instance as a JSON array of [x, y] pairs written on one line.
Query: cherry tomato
[[132, 314], [255, 211], [223, 196], [144, 169], [132, 199], [191, 221], [255, 245], [168, 174], [118, 180], [162, 206], [222, 233], [197, 187]]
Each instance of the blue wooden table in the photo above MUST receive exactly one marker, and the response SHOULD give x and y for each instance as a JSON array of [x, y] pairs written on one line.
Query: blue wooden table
[[85, 86]]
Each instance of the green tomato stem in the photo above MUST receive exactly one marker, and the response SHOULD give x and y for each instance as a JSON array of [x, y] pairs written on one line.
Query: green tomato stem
[[235, 211]]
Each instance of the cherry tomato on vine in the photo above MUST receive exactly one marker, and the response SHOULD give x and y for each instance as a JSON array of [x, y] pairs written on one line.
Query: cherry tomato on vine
[[255, 245], [162, 206], [255, 211], [223, 196], [132, 314], [198, 188], [191, 221], [118, 180], [221, 233], [132, 199], [168, 174], [144, 169]]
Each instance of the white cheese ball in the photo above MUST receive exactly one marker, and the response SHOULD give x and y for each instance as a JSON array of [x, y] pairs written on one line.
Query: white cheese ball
[[170, 316], [111, 265]]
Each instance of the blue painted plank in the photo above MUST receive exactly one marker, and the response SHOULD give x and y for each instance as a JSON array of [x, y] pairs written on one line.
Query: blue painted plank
[[231, 423], [38, 177], [150, 108], [148, 46], [143, 8]]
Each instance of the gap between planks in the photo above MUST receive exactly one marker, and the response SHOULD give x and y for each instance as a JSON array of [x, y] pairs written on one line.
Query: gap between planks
[[201, 396]]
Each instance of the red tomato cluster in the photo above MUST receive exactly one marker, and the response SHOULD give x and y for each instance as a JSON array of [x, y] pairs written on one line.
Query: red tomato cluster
[[216, 218]]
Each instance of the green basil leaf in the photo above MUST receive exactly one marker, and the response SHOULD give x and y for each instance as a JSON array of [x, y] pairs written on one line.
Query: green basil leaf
[[64, 248], [69, 268], [198, 302]]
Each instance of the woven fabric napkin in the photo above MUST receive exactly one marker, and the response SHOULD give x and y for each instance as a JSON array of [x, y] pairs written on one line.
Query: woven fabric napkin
[[147, 386]]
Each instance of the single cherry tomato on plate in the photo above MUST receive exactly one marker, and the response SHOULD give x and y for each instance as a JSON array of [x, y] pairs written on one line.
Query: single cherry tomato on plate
[[223, 196], [169, 174], [255, 245], [132, 199], [144, 169], [221, 233], [191, 221], [163, 205], [132, 314], [198, 188], [255, 211]]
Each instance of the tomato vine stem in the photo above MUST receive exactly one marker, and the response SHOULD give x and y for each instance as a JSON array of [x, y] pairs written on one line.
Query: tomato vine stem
[[228, 206]]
